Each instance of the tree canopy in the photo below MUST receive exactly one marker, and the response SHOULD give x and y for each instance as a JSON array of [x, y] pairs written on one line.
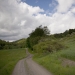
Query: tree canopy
[[36, 35], [40, 31]]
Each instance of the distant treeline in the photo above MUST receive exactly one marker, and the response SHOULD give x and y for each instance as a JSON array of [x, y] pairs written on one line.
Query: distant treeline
[[12, 45], [66, 33]]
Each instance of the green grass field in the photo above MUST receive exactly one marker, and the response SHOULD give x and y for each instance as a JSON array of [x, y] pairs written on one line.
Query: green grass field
[[52, 61], [9, 58]]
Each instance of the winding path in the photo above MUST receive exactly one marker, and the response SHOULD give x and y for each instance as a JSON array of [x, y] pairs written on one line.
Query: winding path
[[28, 67]]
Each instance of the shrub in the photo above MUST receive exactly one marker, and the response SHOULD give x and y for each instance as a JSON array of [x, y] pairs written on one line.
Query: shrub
[[48, 46]]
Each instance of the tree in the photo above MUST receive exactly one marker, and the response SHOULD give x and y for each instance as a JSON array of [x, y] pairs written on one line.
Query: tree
[[71, 31], [46, 30], [40, 31], [36, 35]]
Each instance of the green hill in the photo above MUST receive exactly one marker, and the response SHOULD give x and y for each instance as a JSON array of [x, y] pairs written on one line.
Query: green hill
[[21, 43], [12, 45], [60, 62]]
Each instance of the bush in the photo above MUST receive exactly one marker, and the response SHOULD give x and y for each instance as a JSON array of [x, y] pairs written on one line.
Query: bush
[[48, 46]]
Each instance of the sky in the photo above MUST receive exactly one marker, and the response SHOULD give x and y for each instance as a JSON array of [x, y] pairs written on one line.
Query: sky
[[19, 17]]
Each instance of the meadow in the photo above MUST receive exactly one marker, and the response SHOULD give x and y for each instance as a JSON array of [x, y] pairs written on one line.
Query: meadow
[[9, 58]]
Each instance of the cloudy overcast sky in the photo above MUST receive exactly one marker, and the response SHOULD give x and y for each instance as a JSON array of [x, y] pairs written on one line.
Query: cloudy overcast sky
[[19, 17]]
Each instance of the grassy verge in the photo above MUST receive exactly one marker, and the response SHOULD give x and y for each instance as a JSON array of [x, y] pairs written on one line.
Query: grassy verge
[[30, 51], [52, 61], [54, 65], [8, 59], [69, 53]]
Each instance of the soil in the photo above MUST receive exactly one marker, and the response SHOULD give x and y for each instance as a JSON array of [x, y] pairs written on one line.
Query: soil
[[67, 62]]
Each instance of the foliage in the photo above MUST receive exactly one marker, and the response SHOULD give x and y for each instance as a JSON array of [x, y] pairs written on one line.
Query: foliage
[[2, 44], [36, 35], [48, 46], [20, 43], [53, 61], [67, 32], [40, 31], [12, 45]]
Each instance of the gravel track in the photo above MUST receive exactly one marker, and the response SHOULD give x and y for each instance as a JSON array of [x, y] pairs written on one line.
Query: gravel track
[[28, 67]]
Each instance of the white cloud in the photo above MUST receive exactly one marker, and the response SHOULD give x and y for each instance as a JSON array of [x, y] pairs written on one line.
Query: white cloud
[[64, 5], [73, 10], [52, 4], [18, 19], [62, 22]]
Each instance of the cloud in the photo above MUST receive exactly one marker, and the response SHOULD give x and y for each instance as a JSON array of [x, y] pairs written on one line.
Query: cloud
[[18, 19], [53, 4], [62, 22], [63, 18], [64, 5]]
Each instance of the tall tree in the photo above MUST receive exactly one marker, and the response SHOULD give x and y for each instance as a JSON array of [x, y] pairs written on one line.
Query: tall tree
[[36, 35]]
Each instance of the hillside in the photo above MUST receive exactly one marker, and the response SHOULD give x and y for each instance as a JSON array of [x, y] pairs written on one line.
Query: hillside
[[12, 45], [62, 61], [21, 43], [55, 52]]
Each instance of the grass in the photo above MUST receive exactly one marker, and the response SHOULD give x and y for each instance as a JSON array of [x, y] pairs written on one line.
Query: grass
[[69, 53], [52, 61], [54, 65], [31, 51], [8, 60]]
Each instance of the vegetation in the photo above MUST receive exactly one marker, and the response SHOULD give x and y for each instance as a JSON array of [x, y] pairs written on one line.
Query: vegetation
[[48, 46], [12, 45], [48, 51], [36, 35], [20, 43], [8, 59], [53, 61], [41, 42], [69, 41], [67, 32]]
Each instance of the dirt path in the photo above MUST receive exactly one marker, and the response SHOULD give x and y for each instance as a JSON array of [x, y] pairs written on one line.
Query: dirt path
[[67, 62], [20, 68], [28, 67]]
